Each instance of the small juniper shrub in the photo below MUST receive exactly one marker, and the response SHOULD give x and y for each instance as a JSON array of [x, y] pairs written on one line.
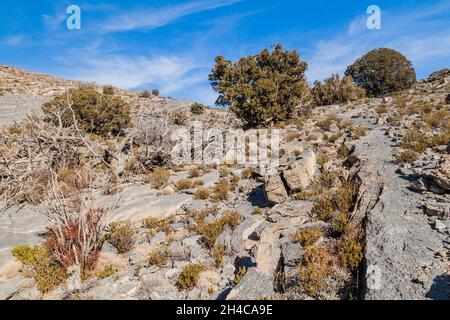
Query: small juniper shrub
[[257, 211], [108, 271], [247, 173], [198, 183], [218, 254], [406, 156], [190, 275], [145, 94], [155, 225], [121, 235], [307, 237], [108, 90], [197, 108], [94, 112], [202, 194], [241, 272], [41, 266], [159, 178], [314, 269], [194, 173], [221, 191], [159, 256], [343, 151], [211, 231], [184, 184]]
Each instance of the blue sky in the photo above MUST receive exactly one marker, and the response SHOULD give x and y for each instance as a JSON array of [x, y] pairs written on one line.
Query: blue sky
[[171, 45]]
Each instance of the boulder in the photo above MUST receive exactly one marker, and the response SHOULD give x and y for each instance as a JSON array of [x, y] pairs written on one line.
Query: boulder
[[439, 210], [300, 174], [442, 174], [208, 279], [274, 188], [255, 285], [242, 233], [292, 253], [420, 185], [447, 99], [298, 208]]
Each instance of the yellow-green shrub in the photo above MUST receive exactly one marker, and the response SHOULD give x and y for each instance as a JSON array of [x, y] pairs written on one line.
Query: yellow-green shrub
[[95, 113], [307, 237], [121, 235], [159, 256], [189, 276], [41, 266], [314, 269], [159, 178]]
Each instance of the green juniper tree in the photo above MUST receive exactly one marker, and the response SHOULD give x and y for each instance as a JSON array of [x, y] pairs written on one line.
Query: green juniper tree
[[382, 71], [262, 89]]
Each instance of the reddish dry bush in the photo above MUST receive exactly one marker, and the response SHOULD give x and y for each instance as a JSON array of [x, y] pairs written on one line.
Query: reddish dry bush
[[77, 240], [76, 231]]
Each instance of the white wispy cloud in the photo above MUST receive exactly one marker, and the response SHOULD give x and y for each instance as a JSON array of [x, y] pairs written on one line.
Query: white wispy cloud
[[14, 40], [420, 34], [157, 17]]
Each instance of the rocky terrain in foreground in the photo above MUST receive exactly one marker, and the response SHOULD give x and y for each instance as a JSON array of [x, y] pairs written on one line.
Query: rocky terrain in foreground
[[229, 232]]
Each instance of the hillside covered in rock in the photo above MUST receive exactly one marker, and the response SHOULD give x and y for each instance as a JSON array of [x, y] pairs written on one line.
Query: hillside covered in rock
[[358, 206]]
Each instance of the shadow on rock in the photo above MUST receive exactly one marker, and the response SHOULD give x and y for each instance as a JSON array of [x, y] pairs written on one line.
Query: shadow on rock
[[440, 289], [258, 198]]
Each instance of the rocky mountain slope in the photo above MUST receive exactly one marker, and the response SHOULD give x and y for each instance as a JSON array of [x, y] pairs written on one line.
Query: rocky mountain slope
[[267, 236]]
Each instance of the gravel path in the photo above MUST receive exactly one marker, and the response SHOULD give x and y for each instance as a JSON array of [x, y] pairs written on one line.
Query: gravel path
[[402, 257]]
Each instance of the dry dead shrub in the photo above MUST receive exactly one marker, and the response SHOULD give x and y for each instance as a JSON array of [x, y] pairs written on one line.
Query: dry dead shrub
[[32, 151], [153, 136], [334, 90], [218, 254]]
